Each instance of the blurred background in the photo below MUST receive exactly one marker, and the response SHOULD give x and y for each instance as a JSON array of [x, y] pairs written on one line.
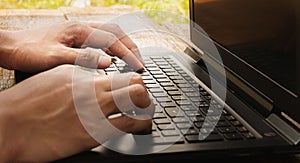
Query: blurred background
[[178, 7]]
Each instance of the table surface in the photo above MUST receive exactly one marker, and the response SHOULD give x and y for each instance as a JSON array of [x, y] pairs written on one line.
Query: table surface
[[143, 33]]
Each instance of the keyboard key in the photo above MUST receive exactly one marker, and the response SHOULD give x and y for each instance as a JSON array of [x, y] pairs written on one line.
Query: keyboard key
[[236, 123], [158, 109], [167, 84], [233, 136], [188, 108], [190, 132], [183, 102], [248, 135], [194, 94], [185, 90], [171, 88], [166, 127], [164, 99], [149, 86], [184, 126], [242, 129], [156, 90], [203, 124], [156, 72], [203, 138], [168, 140], [162, 121], [162, 63], [159, 76], [230, 118], [197, 118], [173, 75], [178, 81], [149, 82], [193, 113], [210, 137], [208, 131], [176, 98], [180, 120], [159, 115], [183, 85], [147, 78], [168, 104], [162, 80], [174, 93], [170, 133], [167, 68], [223, 124], [159, 94], [155, 134], [226, 129], [174, 112]]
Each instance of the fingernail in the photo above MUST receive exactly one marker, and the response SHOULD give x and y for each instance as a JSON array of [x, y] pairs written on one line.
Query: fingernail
[[133, 62], [114, 60], [140, 70], [104, 61]]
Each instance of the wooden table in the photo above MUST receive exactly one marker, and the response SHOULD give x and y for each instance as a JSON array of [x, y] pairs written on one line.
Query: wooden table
[[171, 37]]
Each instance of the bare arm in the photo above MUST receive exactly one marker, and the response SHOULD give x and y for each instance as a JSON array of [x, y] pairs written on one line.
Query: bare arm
[[42, 48], [39, 122]]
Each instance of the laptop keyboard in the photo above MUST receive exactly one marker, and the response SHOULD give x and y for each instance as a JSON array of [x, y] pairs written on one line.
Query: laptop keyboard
[[183, 113]]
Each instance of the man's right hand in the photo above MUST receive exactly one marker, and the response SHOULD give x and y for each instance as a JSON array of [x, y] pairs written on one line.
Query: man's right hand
[[39, 121]]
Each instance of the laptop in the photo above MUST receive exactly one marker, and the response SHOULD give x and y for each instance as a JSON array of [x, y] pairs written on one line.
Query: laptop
[[232, 92]]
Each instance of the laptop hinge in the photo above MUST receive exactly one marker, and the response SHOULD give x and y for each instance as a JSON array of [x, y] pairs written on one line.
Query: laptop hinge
[[292, 135], [190, 51]]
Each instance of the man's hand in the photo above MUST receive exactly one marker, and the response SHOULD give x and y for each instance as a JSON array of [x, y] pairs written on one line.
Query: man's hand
[[42, 48], [40, 120]]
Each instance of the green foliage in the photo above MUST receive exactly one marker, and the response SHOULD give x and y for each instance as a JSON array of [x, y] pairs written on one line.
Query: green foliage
[[34, 4], [162, 11]]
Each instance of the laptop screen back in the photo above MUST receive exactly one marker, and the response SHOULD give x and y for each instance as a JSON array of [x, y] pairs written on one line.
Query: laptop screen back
[[258, 39]]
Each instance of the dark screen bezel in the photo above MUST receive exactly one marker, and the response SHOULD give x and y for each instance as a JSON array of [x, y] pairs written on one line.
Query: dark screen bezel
[[282, 100]]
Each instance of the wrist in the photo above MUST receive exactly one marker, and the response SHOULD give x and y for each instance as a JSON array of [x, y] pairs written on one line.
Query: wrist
[[7, 43]]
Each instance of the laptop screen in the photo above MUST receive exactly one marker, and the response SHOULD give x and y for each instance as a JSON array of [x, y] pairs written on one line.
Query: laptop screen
[[259, 42]]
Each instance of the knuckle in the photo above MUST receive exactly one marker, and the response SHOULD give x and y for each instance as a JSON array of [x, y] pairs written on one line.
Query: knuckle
[[76, 27], [139, 90], [140, 96], [127, 123], [136, 79], [101, 81], [74, 24], [110, 39], [115, 27]]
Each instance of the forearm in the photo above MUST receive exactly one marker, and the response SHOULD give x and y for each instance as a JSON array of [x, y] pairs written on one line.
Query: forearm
[[6, 153]]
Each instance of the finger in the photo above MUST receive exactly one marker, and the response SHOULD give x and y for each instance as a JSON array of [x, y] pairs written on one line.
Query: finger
[[120, 34], [123, 80], [114, 46], [142, 123], [82, 35], [116, 81], [90, 58], [126, 100], [133, 96]]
